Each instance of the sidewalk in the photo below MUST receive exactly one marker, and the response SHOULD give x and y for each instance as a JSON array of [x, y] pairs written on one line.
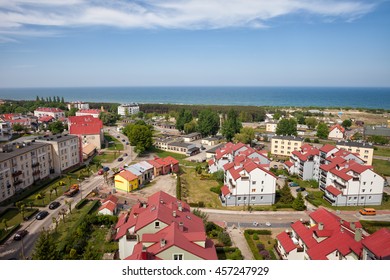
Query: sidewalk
[[239, 241]]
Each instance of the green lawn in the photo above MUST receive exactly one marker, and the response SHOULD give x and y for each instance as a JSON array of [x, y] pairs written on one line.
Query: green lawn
[[258, 241], [117, 144], [106, 157], [381, 167], [13, 216], [381, 151], [373, 226], [98, 245]]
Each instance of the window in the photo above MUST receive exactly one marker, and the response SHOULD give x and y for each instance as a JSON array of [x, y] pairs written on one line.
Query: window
[[178, 257], [363, 190], [239, 198], [369, 197], [253, 182], [364, 183], [262, 182], [156, 224], [253, 198], [244, 198], [253, 190], [365, 156], [349, 198], [362, 198]]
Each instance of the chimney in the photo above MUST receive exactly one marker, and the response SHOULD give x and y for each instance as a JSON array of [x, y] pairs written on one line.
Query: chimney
[[163, 242], [179, 207], [358, 235], [181, 226], [174, 213], [352, 225], [320, 226]]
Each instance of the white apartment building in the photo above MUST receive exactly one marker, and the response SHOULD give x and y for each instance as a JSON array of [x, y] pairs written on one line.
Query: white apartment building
[[66, 151], [128, 109], [5, 131], [271, 127], [53, 112], [248, 183], [22, 164], [285, 145], [364, 149], [79, 105]]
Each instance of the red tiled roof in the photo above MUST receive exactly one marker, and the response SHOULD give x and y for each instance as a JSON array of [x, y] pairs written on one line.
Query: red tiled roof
[[155, 163], [341, 174], [228, 165], [235, 173], [108, 205], [286, 242], [85, 125], [339, 127], [45, 119], [112, 198], [327, 148], [211, 162], [171, 160], [127, 175], [46, 109], [225, 190], [89, 111], [379, 243], [306, 234], [288, 163], [333, 190]]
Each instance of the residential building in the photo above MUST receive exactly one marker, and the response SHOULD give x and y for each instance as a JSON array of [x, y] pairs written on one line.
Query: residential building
[[66, 151], [53, 112], [192, 137], [109, 206], [336, 132], [377, 245], [183, 148], [89, 112], [211, 152], [211, 141], [126, 181], [163, 166], [163, 228], [271, 127], [14, 118], [285, 145], [342, 175], [376, 131], [328, 237], [128, 109], [22, 164], [5, 131], [247, 183], [88, 129], [79, 105], [364, 149]]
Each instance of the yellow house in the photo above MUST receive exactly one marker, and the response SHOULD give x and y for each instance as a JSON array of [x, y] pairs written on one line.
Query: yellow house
[[126, 181]]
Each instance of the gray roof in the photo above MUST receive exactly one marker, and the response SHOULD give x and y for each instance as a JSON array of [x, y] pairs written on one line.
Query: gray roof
[[56, 138], [181, 144], [192, 134], [20, 149], [287, 137], [355, 144], [377, 130], [213, 150]]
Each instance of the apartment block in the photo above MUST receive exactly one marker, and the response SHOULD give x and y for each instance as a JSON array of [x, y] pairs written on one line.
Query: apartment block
[[128, 109], [53, 112], [22, 164], [364, 149], [285, 145]]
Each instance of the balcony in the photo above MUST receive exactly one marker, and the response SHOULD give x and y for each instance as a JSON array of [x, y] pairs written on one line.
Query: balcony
[[18, 182], [323, 173], [35, 164], [330, 200], [339, 185], [16, 173], [323, 180]]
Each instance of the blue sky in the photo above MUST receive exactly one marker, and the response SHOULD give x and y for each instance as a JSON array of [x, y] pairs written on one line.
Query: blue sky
[[53, 43]]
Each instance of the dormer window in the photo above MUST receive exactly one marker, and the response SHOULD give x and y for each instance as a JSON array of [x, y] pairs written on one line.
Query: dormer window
[[156, 224]]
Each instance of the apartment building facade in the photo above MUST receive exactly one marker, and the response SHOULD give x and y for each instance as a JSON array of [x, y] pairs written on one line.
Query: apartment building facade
[[53, 112], [284, 145], [128, 109], [22, 164], [364, 149]]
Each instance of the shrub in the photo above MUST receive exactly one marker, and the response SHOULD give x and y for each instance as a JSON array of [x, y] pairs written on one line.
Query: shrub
[[216, 190], [201, 204], [307, 140], [316, 141], [224, 238], [81, 203], [265, 254], [260, 247], [255, 236]]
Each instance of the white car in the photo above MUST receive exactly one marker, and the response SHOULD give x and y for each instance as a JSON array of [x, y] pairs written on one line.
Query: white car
[[268, 224]]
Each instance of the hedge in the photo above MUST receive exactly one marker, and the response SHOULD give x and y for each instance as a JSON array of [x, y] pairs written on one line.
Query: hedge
[[81, 203], [27, 217], [252, 245], [259, 231], [9, 233]]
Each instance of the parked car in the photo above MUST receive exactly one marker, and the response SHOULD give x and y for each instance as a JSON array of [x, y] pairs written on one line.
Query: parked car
[[20, 234], [268, 224], [125, 154], [368, 211], [106, 168], [301, 189], [120, 159], [100, 172], [41, 215], [127, 143], [293, 184], [118, 136], [54, 205], [282, 177]]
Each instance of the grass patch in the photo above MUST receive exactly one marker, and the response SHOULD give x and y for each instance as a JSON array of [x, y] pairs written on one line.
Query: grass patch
[[105, 157], [381, 151], [98, 245], [261, 244], [195, 190], [117, 145], [14, 217], [381, 166], [229, 253], [373, 226]]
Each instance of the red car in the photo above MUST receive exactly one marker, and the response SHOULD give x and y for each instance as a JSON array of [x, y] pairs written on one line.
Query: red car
[[100, 172]]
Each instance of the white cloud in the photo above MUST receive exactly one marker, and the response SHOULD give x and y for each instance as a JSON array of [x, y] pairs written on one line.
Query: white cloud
[[20, 15]]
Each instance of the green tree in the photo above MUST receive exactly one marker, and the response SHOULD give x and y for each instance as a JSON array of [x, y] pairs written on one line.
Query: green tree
[[201, 215], [277, 115], [72, 112], [178, 187], [300, 118], [286, 127], [190, 127], [377, 139], [40, 197], [285, 195], [183, 117], [56, 127], [298, 203], [311, 122], [231, 125], [246, 135], [18, 127], [108, 118], [55, 188], [69, 203], [322, 130], [346, 123], [45, 247], [140, 136], [198, 169], [208, 122]]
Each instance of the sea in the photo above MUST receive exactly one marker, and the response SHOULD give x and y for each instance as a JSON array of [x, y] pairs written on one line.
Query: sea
[[362, 97]]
